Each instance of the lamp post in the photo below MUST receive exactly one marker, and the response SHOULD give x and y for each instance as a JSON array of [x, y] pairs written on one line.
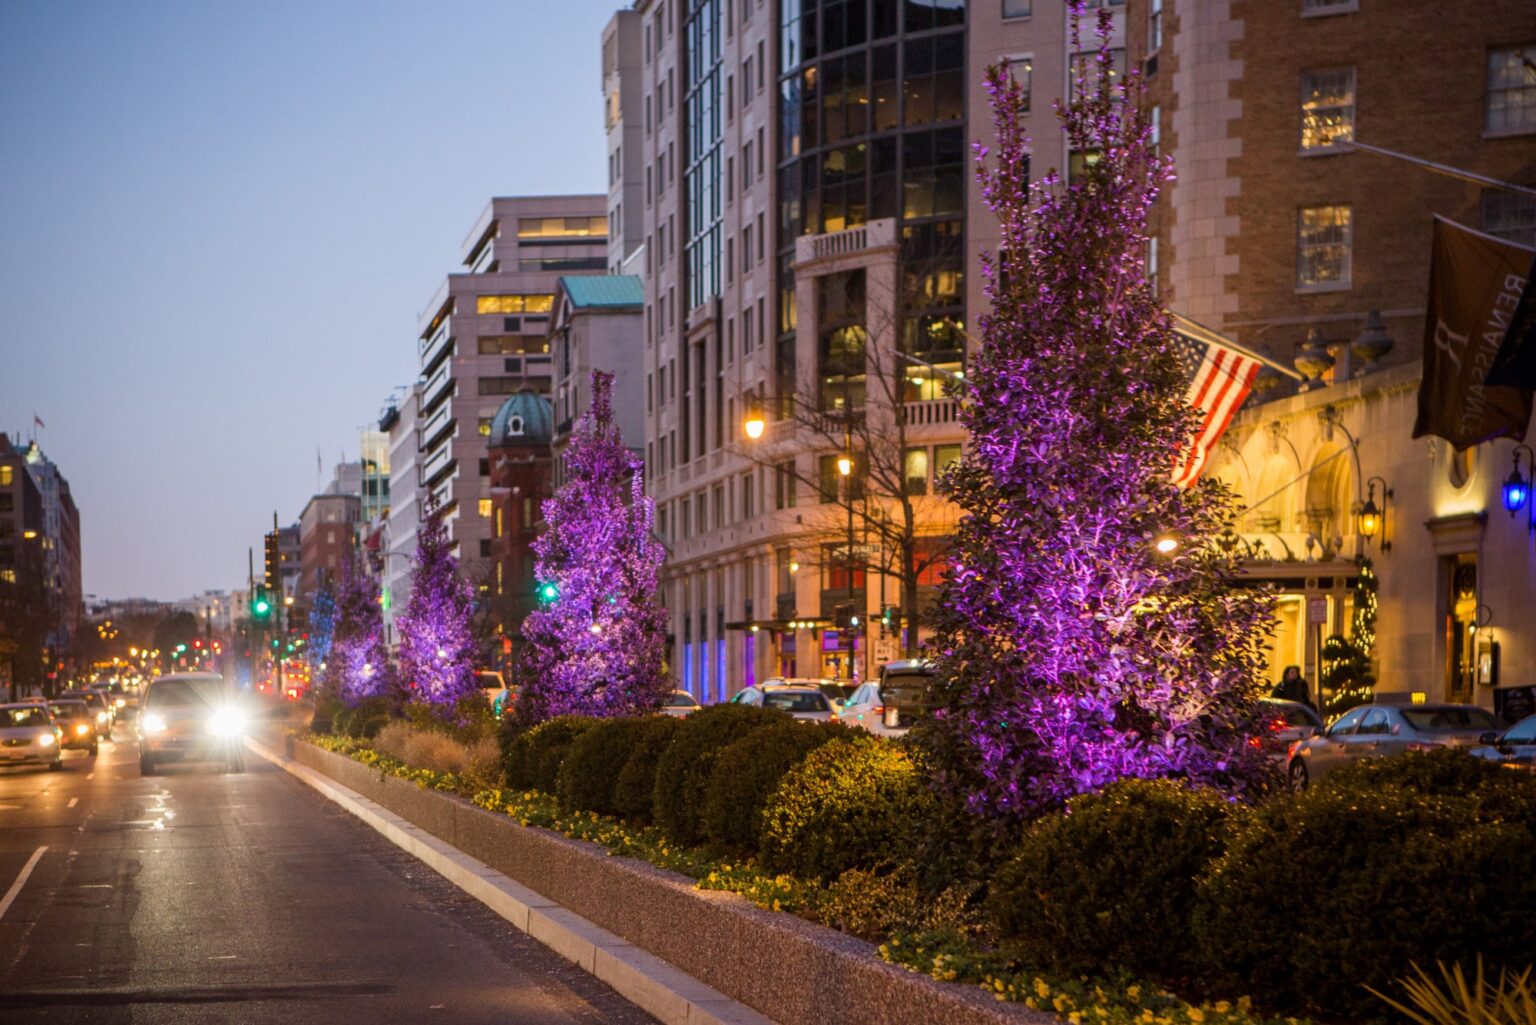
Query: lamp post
[[1373, 519], [1517, 487]]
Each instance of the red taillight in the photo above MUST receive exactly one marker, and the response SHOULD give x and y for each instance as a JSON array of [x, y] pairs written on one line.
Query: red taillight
[[1255, 742], [1276, 725], [877, 710]]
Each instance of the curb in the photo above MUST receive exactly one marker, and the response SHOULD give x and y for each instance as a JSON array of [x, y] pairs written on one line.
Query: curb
[[642, 978]]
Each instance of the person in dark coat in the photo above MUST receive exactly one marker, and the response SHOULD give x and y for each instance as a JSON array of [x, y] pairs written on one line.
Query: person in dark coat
[[1293, 687]]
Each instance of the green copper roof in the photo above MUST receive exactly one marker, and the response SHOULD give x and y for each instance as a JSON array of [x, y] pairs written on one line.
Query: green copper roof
[[617, 290]]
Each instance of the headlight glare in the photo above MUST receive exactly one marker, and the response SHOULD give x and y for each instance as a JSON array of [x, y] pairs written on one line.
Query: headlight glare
[[227, 722], [82, 728], [45, 740], [151, 724]]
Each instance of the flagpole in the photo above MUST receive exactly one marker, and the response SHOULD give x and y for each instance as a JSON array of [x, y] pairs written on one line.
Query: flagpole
[[1445, 169]]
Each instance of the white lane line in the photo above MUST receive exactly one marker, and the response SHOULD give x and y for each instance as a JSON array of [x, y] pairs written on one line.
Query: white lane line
[[74, 801], [21, 880]]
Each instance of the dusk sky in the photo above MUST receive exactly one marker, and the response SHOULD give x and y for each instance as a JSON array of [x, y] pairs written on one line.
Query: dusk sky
[[219, 222]]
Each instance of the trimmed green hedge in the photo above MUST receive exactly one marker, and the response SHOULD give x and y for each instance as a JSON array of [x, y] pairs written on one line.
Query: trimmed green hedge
[[685, 767], [532, 757], [845, 805], [634, 790], [747, 772], [590, 773], [1112, 879], [1421, 858]]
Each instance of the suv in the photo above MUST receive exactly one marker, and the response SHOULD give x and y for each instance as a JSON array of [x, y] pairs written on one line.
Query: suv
[[190, 717]]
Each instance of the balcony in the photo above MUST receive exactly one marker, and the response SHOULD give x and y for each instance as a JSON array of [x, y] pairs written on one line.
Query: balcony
[[931, 413], [850, 241]]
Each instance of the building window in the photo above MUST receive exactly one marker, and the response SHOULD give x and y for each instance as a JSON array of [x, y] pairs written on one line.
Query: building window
[[1510, 216], [7, 476], [1323, 240], [514, 303], [1022, 71], [784, 485], [485, 508], [1309, 7], [1327, 107], [719, 503], [1154, 25], [1512, 89], [748, 509], [562, 227], [916, 471], [485, 427], [1017, 8], [498, 385], [945, 456], [485, 468]]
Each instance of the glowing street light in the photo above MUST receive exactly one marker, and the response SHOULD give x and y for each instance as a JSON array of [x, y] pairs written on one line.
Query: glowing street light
[[1166, 544]]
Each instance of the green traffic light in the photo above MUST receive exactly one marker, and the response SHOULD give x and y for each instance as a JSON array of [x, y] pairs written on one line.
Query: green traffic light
[[548, 592]]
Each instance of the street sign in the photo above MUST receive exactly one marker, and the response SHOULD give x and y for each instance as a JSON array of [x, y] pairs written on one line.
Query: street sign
[[1317, 611]]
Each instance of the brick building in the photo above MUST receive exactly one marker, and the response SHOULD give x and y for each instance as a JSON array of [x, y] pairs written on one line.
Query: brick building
[[521, 462]]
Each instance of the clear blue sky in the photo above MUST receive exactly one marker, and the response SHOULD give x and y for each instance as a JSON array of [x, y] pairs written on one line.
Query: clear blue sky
[[219, 221]]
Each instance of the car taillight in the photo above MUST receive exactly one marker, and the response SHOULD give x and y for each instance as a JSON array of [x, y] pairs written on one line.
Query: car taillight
[[877, 710], [1276, 725]]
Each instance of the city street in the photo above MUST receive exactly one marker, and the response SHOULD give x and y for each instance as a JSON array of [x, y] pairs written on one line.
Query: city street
[[196, 896]]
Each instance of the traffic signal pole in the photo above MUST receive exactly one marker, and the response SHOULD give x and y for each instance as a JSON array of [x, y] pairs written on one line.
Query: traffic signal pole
[[279, 618]]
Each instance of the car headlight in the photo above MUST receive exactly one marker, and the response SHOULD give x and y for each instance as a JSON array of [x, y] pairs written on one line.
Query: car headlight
[[81, 729], [151, 724], [121, 702], [227, 722], [45, 740], [101, 716]]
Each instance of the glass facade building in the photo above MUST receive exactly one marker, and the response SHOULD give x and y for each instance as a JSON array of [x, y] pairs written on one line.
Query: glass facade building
[[701, 176], [871, 117]]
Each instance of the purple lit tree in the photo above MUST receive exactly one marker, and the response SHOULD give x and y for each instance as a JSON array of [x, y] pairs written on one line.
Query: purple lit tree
[[322, 625], [358, 660], [1072, 651], [596, 647], [437, 644]]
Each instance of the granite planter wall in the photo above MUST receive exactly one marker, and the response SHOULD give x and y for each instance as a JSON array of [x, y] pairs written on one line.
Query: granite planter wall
[[792, 970]]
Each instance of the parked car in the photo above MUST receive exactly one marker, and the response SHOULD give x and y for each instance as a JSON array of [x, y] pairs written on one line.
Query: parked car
[[492, 685], [190, 717], [29, 736], [680, 703], [837, 691], [1283, 723], [77, 723], [803, 701], [1515, 747], [1375, 731]]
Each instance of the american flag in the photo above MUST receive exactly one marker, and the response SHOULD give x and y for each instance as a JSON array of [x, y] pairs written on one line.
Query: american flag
[[1220, 378]]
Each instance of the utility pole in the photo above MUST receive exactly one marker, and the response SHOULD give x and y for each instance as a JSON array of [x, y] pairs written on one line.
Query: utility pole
[[279, 618]]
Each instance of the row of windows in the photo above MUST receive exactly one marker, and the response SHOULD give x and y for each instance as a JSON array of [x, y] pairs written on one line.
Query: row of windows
[[808, 29], [562, 227], [541, 303]]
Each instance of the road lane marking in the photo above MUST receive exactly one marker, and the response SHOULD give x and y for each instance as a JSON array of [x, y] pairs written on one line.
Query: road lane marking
[[74, 801], [21, 880]]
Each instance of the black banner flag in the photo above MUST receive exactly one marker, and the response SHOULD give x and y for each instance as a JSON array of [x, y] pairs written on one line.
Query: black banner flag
[[1475, 285], [1515, 365]]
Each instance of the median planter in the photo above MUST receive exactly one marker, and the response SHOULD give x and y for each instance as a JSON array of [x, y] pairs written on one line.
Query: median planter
[[789, 969]]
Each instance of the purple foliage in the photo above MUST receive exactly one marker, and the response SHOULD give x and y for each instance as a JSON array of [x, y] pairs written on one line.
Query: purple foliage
[[358, 661], [597, 648], [1071, 652], [437, 646]]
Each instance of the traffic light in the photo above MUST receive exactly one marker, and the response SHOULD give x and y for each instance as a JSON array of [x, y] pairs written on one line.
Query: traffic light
[[548, 592], [274, 559], [261, 605], [890, 618]]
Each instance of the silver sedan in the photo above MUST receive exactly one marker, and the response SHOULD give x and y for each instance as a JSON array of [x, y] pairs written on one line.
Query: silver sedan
[[1376, 731]]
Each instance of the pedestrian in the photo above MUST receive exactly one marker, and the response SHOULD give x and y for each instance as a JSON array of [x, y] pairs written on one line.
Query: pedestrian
[[1293, 687]]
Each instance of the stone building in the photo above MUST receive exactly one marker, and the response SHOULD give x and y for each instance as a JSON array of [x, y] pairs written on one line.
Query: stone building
[[519, 448]]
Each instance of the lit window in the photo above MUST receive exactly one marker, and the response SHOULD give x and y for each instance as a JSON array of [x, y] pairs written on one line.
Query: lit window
[[562, 227], [1323, 239], [5, 476], [1085, 66], [514, 303], [1510, 215], [1327, 107], [1021, 70], [485, 427], [485, 508], [1017, 8], [916, 460], [1512, 89]]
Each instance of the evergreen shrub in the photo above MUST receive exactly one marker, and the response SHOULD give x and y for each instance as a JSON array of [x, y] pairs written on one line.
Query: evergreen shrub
[[531, 760], [1419, 858], [845, 805], [634, 790], [685, 767], [747, 772], [1110, 880], [590, 773]]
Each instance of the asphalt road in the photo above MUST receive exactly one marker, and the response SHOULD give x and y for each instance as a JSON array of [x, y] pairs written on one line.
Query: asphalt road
[[197, 896]]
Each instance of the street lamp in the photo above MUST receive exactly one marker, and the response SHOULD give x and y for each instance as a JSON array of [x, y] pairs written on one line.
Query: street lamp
[[1373, 519], [1517, 487], [754, 424], [845, 465], [1166, 544]]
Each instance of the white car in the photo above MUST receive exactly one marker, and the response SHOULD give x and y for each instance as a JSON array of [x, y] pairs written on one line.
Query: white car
[[1515, 747], [679, 703], [1379, 730], [804, 702], [29, 736]]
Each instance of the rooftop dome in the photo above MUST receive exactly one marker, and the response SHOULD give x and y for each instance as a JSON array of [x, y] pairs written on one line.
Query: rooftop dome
[[524, 419]]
